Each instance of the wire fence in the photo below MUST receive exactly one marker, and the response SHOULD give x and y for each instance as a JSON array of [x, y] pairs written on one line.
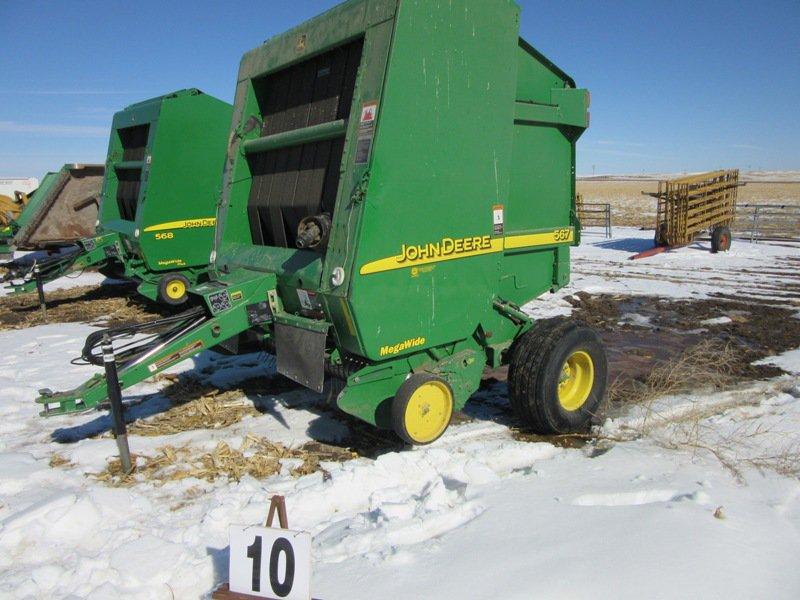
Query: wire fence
[[758, 222]]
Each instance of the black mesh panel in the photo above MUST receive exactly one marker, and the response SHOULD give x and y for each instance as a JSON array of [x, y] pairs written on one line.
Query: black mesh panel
[[128, 183], [134, 148], [289, 184], [134, 142]]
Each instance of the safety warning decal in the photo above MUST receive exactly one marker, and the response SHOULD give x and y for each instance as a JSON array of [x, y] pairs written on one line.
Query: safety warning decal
[[368, 112], [366, 132], [177, 356], [307, 299], [498, 219]]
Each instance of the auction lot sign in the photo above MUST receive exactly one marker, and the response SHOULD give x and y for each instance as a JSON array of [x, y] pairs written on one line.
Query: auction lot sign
[[270, 563]]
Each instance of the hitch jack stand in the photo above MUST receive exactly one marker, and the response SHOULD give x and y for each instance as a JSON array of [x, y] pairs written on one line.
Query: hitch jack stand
[[117, 410], [40, 290]]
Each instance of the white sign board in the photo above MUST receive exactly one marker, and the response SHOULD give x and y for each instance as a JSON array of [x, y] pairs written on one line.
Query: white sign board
[[270, 563]]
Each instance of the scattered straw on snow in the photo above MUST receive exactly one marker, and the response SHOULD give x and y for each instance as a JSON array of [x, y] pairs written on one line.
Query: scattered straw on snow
[[109, 304], [256, 457], [195, 406]]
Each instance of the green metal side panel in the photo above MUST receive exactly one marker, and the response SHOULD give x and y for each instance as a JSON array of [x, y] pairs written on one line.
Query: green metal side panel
[[180, 182], [540, 199], [441, 163], [184, 183]]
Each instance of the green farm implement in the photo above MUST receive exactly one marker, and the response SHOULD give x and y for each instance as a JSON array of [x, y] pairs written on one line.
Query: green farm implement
[[157, 216], [400, 180], [59, 213]]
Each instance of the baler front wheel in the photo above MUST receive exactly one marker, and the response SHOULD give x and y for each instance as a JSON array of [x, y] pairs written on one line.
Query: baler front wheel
[[173, 290], [557, 377], [422, 408]]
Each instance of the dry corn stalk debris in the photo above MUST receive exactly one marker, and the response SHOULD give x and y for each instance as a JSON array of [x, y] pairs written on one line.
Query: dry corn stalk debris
[[57, 460], [109, 305], [256, 457], [196, 406]]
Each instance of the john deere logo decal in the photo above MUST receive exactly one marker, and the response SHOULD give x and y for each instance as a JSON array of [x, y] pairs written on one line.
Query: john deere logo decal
[[413, 255], [185, 224]]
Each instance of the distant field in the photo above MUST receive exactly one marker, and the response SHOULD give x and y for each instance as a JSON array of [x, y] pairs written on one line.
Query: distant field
[[630, 207]]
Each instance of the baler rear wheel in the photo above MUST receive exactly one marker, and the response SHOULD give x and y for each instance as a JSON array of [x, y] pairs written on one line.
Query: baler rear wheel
[[172, 290], [422, 409], [720, 239], [557, 377]]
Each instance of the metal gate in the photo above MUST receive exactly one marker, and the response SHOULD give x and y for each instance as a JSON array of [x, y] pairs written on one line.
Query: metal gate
[[594, 214], [690, 205]]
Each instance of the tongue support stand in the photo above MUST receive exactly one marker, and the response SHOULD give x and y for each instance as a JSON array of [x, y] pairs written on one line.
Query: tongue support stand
[[37, 274], [115, 400]]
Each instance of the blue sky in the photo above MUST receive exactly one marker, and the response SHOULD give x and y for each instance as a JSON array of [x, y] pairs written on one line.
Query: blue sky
[[676, 86]]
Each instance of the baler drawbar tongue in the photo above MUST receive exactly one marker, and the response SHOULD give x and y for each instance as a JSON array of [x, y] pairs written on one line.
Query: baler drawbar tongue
[[23, 274], [50, 268], [146, 345]]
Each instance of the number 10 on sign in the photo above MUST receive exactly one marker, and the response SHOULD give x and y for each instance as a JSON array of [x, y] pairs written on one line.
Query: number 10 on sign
[[270, 563]]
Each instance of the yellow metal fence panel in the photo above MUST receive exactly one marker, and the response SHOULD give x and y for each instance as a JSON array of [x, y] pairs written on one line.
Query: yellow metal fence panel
[[690, 205]]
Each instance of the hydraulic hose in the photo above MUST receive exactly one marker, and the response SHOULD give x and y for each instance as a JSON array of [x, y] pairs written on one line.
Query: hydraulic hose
[[92, 351]]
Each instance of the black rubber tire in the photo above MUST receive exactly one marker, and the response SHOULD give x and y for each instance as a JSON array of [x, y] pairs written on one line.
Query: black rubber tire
[[660, 238], [720, 239], [113, 270], [400, 402], [165, 282], [537, 359]]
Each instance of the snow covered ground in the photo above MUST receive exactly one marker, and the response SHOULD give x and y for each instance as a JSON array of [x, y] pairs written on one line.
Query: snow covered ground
[[689, 506]]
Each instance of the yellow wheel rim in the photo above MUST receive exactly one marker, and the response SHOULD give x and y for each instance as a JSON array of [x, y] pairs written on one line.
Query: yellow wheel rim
[[176, 289], [428, 411], [576, 381]]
